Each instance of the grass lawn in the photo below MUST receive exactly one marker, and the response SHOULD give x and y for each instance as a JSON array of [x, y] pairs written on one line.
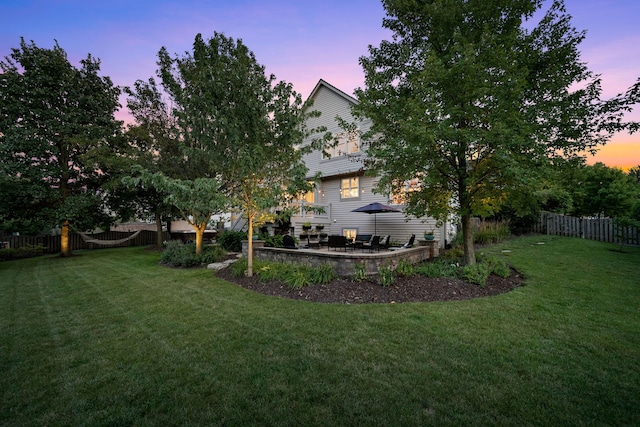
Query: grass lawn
[[111, 338]]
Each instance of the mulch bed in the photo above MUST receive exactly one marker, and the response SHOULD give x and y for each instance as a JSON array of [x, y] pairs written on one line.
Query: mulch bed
[[404, 289]]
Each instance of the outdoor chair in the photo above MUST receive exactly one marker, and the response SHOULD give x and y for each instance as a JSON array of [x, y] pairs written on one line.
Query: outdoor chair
[[338, 242], [361, 239], [372, 245], [407, 245], [384, 242]]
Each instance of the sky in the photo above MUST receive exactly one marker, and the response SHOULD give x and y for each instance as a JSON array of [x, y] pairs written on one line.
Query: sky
[[300, 41]]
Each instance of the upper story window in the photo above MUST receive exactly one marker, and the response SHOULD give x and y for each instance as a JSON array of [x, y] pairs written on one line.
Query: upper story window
[[309, 196], [344, 143], [350, 187], [400, 197]]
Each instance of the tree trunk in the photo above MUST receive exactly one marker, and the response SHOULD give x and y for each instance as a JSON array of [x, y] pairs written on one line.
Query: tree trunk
[[467, 237], [159, 239], [65, 247], [199, 234], [250, 248]]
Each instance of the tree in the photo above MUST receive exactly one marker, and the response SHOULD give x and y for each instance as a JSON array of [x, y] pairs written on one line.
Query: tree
[[603, 191], [236, 124], [51, 114], [149, 143], [197, 200], [470, 101]]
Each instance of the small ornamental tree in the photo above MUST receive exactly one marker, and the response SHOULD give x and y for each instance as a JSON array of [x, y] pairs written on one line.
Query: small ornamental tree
[[468, 99], [51, 115], [236, 124]]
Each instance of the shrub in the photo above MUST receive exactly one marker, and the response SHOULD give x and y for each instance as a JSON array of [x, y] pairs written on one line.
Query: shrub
[[385, 274], [361, 272], [477, 273], [8, 254], [404, 268], [239, 267], [212, 253], [26, 251], [497, 266], [272, 241], [491, 232], [297, 277], [323, 274], [177, 254], [232, 240], [437, 268]]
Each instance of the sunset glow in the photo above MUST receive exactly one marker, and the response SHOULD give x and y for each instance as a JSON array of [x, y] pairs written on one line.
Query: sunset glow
[[299, 41]]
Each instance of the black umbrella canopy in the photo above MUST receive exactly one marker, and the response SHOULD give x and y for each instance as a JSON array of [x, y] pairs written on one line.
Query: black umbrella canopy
[[375, 208]]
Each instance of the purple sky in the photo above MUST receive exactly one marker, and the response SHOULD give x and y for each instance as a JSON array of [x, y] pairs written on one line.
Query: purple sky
[[300, 41]]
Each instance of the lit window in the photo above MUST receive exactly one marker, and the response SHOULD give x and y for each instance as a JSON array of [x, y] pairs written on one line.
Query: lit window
[[309, 196], [350, 188], [345, 143], [350, 233], [400, 197]]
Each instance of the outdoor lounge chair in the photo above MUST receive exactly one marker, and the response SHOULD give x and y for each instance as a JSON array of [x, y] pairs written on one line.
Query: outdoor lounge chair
[[361, 239], [407, 245], [372, 245], [384, 242]]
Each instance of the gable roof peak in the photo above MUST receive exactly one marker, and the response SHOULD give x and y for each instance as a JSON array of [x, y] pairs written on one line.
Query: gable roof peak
[[324, 83]]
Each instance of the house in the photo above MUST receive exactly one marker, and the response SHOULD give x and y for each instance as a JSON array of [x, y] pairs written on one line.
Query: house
[[344, 185]]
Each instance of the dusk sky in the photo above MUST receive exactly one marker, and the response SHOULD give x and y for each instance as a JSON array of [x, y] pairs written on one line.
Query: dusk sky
[[299, 41]]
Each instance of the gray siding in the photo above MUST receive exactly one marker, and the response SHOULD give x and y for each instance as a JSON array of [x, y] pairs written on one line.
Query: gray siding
[[339, 216]]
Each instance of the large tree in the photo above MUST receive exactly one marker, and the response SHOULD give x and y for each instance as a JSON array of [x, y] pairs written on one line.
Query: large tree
[[150, 143], [51, 115], [468, 99], [236, 124]]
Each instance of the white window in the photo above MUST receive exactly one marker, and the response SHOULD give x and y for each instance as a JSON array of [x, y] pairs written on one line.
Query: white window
[[345, 143], [309, 196], [350, 188], [350, 233], [400, 197]]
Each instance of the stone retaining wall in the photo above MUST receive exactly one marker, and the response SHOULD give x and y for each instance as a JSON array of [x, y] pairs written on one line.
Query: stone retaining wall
[[344, 262]]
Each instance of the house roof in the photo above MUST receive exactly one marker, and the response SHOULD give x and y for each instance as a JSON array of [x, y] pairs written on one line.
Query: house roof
[[323, 83]]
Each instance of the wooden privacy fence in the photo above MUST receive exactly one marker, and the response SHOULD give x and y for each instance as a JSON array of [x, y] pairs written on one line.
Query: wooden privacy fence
[[603, 230], [52, 243]]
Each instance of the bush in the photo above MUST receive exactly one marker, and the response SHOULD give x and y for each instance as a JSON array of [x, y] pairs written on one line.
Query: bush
[[497, 266], [177, 254], [404, 268], [295, 276], [26, 251], [437, 268], [361, 272], [7, 254], [491, 232], [323, 274], [385, 274], [232, 240], [212, 253], [477, 273], [272, 241]]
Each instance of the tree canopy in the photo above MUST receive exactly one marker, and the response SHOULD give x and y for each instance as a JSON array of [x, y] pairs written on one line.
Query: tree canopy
[[51, 115], [234, 124], [475, 104]]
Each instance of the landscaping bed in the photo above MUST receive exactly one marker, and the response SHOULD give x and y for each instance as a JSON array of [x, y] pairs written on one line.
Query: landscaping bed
[[415, 288]]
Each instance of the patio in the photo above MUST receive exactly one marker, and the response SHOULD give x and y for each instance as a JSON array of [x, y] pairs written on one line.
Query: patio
[[344, 261]]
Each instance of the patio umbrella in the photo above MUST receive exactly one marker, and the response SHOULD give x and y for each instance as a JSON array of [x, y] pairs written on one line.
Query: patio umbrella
[[375, 208]]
